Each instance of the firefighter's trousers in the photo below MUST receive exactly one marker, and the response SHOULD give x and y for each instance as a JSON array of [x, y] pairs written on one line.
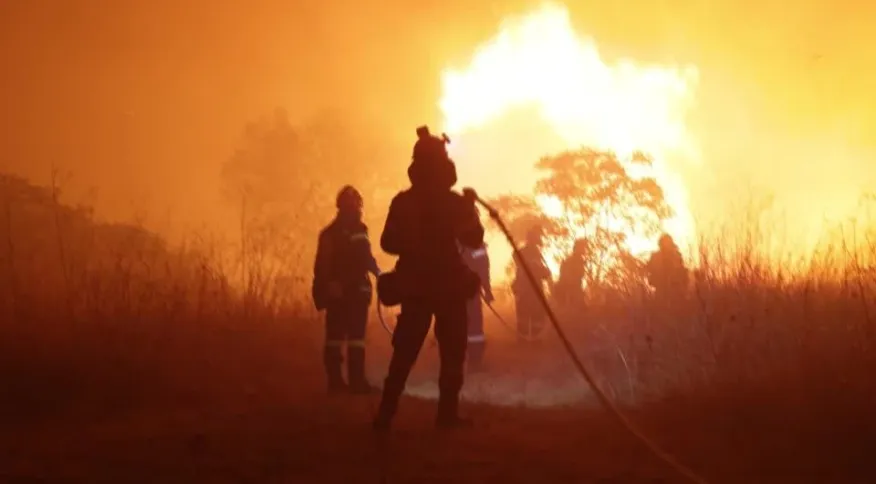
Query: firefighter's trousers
[[531, 317], [410, 333], [345, 325]]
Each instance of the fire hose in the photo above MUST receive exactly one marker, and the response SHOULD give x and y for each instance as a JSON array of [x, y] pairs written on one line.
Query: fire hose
[[492, 308], [382, 320], [603, 399], [497, 315], [680, 468]]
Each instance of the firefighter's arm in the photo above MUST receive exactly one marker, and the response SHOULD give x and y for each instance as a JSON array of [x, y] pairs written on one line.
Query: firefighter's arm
[[534, 258], [391, 238], [471, 231], [366, 256]]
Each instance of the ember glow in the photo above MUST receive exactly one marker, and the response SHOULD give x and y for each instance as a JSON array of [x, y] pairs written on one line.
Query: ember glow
[[538, 87]]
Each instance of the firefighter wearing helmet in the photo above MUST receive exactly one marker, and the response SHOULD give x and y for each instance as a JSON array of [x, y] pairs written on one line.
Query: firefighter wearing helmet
[[425, 226], [342, 288], [568, 291], [531, 316], [666, 271]]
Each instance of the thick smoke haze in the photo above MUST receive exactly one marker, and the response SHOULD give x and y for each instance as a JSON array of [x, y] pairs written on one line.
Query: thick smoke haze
[[143, 101]]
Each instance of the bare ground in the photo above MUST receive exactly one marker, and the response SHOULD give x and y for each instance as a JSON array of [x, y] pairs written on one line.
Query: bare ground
[[248, 406]]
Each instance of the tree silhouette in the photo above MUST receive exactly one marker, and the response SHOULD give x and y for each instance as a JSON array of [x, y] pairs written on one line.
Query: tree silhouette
[[599, 199], [283, 180], [104, 267]]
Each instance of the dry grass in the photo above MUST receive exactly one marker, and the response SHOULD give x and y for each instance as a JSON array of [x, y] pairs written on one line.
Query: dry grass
[[123, 360]]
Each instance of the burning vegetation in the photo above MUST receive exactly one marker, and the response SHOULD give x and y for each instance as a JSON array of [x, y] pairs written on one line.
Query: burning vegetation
[[605, 134]]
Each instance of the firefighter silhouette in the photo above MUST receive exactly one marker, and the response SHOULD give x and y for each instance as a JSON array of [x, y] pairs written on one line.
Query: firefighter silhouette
[[425, 226], [568, 291], [342, 288], [531, 316], [666, 271]]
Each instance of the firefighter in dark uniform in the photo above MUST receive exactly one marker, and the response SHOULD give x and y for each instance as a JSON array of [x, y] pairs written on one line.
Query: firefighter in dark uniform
[[478, 260], [342, 287], [531, 315], [568, 291], [424, 228], [666, 271]]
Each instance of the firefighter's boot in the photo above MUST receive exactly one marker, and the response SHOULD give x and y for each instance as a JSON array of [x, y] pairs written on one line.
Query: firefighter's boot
[[448, 414], [385, 413], [359, 384], [333, 360], [393, 387]]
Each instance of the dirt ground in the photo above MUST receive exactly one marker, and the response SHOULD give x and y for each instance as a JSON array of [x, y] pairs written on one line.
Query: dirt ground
[[251, 408]]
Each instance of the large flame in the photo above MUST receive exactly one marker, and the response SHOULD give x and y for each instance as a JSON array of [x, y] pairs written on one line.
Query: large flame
[[537, 88]]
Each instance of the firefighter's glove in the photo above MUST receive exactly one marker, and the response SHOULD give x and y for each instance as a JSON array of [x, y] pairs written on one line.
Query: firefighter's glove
[[469, 194]]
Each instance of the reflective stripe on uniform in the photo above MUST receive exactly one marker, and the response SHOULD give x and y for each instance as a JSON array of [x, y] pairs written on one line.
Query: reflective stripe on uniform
[[334, 343], [359, 236], [356, 343], [477, 338], [479, 253]]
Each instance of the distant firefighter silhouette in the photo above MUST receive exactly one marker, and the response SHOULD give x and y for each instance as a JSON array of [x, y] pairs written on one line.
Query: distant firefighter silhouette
[[568, 291], [666, 271], [425, 227], [531, 316], [478, 260], [342, 288]]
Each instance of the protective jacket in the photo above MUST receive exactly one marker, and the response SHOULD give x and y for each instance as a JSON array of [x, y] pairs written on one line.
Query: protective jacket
[[666, 270], [530, 313], [568, 287], [343, 256], [531, 255], [423, 227]]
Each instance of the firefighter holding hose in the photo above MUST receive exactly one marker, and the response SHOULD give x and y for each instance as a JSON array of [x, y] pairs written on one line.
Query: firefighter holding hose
[[424, 228]]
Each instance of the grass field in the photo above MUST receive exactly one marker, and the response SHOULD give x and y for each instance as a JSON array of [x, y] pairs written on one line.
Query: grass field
[[138, 363]]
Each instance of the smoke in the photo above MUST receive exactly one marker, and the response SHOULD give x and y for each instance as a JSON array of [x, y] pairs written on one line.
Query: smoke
[[142, 102]]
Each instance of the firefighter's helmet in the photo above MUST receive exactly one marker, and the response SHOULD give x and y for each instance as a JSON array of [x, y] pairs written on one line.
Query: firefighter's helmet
[[666, 242], [431, 165], [582, 246], [429, 147], [349, 199]]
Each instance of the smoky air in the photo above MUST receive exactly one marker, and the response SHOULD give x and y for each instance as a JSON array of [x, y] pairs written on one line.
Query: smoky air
[[457, 242]]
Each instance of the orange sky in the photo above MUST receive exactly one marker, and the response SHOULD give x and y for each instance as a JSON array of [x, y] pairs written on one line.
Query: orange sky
[[144, 100]]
